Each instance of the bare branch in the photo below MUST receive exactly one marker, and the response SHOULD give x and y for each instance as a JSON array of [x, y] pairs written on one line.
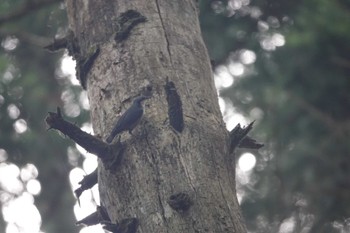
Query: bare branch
[[27, 37], [100, 215], [111, 155], [86, 183], [238, 137]]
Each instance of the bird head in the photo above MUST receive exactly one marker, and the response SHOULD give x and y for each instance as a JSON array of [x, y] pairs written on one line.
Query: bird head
[[138, 100]]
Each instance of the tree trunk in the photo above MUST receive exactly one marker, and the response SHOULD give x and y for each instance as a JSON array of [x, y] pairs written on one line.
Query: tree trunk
[[160, 159]]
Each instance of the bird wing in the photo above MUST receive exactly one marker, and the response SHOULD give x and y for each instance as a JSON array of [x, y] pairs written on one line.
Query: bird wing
[[127, 120]]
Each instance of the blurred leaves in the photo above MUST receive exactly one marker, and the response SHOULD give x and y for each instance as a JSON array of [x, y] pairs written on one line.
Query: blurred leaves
[[30, 87], [290, 65], [302, 92]]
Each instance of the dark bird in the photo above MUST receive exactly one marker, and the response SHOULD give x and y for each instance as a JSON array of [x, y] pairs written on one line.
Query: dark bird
[[129, 119]]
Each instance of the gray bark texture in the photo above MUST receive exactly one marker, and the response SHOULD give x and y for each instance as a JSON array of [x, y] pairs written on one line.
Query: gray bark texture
[[158, 161]]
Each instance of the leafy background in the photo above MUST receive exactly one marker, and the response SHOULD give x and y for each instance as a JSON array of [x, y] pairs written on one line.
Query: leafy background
[[282, 63]]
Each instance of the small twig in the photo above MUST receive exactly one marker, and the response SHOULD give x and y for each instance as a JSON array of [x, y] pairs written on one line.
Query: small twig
[[128, 225], [100, 215], [86, 183], [250, 143], [238, 137]]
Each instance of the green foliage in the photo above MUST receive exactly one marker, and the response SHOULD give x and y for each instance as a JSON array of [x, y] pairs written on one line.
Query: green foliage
[[301, 91]]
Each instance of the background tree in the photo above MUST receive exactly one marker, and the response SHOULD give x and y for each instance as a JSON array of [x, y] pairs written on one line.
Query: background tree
[[294, 55], [182, 148]]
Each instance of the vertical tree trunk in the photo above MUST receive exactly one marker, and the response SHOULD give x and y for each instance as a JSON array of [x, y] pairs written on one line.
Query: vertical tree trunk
[[160, 159]]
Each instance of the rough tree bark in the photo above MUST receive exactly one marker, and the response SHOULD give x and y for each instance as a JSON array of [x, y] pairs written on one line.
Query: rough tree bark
[[119, 57]]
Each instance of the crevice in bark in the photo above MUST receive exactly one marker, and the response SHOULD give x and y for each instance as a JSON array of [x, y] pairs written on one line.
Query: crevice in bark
[[180, 202], [162, 208], [165, 33], [126, 22], [105, 92], [227, 209], [223, 223], [175, 113], [84, 64], [157, 171], [185, 168]]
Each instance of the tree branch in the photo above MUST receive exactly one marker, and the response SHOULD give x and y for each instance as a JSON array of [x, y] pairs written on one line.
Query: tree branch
[[239, 138], [110, 154], [100, 215], [86, 183], [61, 43], [128, 225], [27, 37]]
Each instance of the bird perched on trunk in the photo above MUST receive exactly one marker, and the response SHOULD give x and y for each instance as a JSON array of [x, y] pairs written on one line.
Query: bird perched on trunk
[[129, 119]]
